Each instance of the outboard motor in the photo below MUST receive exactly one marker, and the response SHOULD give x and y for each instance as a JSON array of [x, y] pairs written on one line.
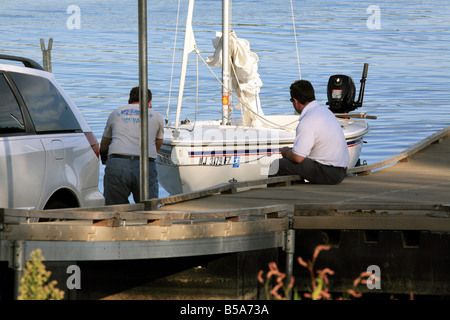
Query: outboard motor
[[341, 92]]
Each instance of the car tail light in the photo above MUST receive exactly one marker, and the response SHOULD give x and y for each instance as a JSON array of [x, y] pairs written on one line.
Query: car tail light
[[93, 142]]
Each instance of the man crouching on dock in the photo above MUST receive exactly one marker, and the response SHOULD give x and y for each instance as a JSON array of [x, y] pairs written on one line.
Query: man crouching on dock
[[319, 154]]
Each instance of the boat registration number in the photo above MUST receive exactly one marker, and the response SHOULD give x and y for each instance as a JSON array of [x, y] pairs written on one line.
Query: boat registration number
[[215, 161]]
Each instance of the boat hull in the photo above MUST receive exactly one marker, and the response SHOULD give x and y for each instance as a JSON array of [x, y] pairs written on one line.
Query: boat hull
[[209, 154]]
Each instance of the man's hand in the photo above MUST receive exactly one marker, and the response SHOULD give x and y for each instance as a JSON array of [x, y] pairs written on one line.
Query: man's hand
[[284, 151], [287, 153], [104, 147]]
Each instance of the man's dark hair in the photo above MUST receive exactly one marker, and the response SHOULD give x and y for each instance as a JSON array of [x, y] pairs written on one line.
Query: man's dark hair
[[134, 95], [302, 91]]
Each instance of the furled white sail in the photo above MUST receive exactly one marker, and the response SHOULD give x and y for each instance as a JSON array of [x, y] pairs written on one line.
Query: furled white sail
[[246, 82], [189, 46]]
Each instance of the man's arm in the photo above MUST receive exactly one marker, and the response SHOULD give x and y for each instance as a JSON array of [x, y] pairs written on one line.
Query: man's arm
[[158, 144], [104, 147], [287, 153]]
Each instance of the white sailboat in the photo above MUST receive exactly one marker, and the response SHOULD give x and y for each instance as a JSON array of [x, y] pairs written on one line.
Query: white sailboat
[[207, 153]]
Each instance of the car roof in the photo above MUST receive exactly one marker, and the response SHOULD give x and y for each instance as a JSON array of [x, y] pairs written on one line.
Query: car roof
[[29, 63]]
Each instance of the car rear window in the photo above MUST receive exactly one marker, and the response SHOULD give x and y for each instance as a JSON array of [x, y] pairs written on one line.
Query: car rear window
[[48, 109], [11, 119]]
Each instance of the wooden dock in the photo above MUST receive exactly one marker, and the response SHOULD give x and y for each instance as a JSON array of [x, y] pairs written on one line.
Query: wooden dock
[[406, 193], [419, 175]]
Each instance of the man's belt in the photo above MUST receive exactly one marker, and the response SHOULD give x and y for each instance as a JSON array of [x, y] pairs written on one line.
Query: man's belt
[[124, 156]]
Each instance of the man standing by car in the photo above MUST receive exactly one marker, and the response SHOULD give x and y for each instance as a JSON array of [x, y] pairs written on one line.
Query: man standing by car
[[120, 149], [320, 153]]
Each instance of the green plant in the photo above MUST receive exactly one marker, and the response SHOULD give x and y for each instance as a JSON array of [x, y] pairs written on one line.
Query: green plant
[[34, 284]]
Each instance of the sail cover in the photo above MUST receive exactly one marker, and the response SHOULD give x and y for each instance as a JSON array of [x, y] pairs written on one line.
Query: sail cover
[[246, 82]]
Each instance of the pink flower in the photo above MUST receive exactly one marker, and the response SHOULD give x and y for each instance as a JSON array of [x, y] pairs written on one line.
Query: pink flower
[[302, 262], [319, 248], [273, 266], [260, 278], [323, 274], [354, 294], [291, 283], [275, 293]]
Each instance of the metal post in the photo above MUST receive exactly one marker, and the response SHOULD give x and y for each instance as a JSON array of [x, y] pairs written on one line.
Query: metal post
[[289, 249], [143, 99], [17, 263], [225, 62], [46, 54]]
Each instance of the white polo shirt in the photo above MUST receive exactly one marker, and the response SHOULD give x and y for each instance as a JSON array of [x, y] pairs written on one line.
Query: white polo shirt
[[320, 137], [124, 129]]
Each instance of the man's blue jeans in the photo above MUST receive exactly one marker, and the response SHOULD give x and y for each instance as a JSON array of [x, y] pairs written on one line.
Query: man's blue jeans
[[122, 178]]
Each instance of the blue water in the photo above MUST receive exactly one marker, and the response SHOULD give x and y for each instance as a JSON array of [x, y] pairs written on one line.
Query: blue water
[[406, 44]]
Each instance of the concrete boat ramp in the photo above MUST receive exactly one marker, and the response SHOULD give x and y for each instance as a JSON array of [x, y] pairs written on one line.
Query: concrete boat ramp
[[394, 215]]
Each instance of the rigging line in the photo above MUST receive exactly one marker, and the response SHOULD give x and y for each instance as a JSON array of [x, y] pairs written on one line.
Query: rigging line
[[196, 104], [295, 39], [246, 106], [196, 94], [273, 124], [173, 61]]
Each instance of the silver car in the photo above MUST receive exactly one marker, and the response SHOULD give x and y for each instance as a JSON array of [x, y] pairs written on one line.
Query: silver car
[[48, 154]]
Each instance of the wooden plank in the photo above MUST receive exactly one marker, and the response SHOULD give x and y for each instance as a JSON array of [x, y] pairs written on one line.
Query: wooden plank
[[109, 208], [111, 222], [363, 216], [62, 214], [310, 209], [115, 219], [266, 211], [94, 213], [423, 223], [154, 203], [89, 233], [436, 137]]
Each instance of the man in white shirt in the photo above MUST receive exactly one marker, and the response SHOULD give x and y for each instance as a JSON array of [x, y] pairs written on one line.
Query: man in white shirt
[[320, 153], [120, 150]]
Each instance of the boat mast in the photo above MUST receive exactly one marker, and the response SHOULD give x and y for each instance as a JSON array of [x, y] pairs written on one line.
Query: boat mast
[[225, 62], [189, 45]]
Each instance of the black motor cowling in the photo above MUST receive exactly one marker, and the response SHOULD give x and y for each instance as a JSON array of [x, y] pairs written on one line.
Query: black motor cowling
[[341, 92]]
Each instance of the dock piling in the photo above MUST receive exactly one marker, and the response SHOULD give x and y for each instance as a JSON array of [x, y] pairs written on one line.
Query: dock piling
[[46, 54], [289, 248], [17, 263]]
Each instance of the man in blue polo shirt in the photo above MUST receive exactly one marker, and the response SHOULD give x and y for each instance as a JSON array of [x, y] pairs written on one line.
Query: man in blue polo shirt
[[319, 154]]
